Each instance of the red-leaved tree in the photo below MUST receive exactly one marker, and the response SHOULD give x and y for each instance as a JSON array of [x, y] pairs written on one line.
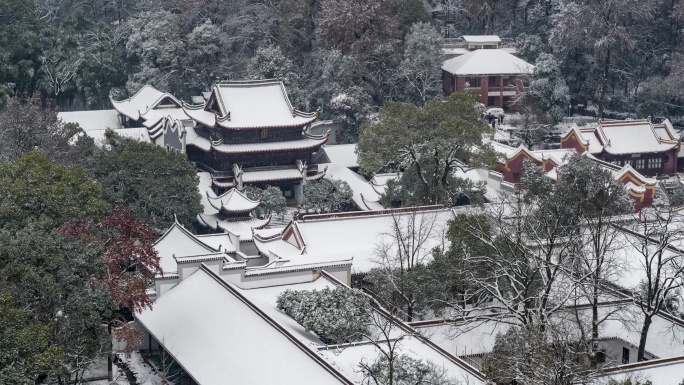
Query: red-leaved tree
[[129, 263]]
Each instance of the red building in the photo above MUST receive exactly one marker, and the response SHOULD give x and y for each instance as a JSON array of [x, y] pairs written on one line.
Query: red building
[[652, 149], [640, 188], [495, 74]]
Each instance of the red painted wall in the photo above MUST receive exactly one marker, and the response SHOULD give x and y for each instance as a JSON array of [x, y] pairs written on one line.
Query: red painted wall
[[573, 142]]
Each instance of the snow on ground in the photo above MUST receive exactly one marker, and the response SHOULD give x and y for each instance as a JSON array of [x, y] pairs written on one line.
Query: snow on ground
[[119, 375], [144, 373]]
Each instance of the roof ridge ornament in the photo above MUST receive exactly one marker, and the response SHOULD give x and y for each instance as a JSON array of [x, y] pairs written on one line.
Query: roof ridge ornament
[[237, 171]]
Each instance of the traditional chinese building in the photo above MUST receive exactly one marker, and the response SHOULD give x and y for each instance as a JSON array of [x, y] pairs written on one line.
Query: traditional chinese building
[[495, 74], [233, 214], [650, 148], [253, 125], [249, 126], [158, 113], [510, 164]]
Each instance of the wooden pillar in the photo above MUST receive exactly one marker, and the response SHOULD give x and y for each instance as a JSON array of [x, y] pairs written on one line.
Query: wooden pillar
[[484, 90], [501, 90]]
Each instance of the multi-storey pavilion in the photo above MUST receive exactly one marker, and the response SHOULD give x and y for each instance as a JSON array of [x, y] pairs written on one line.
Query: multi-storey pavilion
[[253, 125], [248, 128]]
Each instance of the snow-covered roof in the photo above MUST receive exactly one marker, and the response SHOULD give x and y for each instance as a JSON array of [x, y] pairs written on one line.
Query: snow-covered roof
[[665, 371], [98, 120], [379, 181], [219, 241], [277, 247], [218, 336], [232, 202], [263, 147], [144, 100], [179, 242], [481, 38], [348, 359], [96, 123], [153, 117], [342, 154], [137, 133], [462, 339], [632, 265], [250, 105], [364, 195], [558, 156], [595, 146], [194, 139], [633, 137], [206, 192], [358, 235], [242, 228], [263, 176], [487, 62], [665, 338], [265, 298]]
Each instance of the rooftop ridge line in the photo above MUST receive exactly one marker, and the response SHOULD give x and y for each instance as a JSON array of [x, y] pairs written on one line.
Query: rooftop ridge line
[[317, 358]]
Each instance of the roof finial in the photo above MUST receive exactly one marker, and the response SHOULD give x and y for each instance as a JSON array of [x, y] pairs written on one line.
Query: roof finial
[[237, 172]]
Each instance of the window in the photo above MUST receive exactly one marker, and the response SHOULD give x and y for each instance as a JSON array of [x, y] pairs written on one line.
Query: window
[[625, 355], [516, 177], [601, 356], [617, 162], [655, 163], [640, 164], [494, 81], [472, 82], [264, 133]]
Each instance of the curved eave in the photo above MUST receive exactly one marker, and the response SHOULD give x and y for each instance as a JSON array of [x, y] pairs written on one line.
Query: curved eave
[[236, 212], [317, 176], [219, 204], [252, 223], [268, 151], [222, 184], [206, 222], [607, 150], [116, 104], [224, 123], [190, 111], [273, 237]]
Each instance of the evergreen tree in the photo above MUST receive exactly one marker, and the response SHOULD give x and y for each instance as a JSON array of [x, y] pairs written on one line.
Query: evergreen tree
[[156, 184]]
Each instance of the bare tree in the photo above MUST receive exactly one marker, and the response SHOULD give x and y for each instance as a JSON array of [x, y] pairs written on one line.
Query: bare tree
[[554, 356], [656, 238], [516, 255], [402, 251], [392, 366]]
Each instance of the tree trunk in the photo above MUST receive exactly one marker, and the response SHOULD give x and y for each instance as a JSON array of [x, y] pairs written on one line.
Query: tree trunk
[[644, 335], [604, 85], [110, 358], [594, 327]]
